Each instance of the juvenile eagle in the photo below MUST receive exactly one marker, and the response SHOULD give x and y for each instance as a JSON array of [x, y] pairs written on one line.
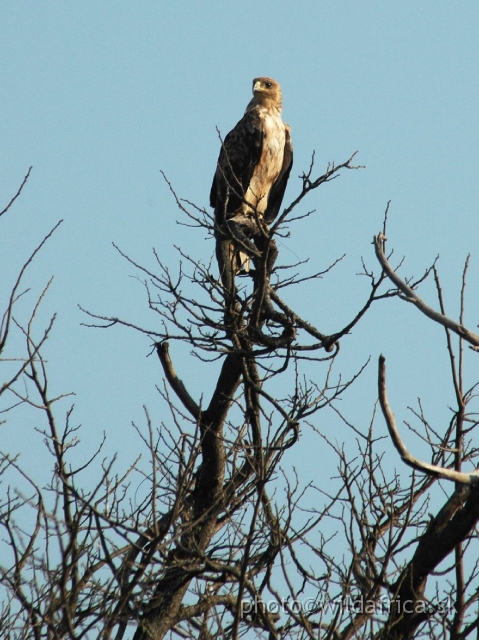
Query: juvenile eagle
[[253, 169]]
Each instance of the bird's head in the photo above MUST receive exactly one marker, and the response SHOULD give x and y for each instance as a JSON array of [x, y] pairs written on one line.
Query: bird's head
[[267, 88]]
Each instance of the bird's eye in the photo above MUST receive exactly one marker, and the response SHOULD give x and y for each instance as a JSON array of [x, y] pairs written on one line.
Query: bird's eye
[[268, 85]]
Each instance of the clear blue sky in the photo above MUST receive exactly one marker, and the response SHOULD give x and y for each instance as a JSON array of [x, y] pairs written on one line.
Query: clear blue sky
[[99, 96]]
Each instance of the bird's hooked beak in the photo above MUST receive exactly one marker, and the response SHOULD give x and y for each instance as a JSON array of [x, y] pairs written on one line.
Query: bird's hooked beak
[[257, 85]]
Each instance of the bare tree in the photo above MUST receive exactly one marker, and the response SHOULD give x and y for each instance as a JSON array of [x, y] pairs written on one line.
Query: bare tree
[[227, 543]]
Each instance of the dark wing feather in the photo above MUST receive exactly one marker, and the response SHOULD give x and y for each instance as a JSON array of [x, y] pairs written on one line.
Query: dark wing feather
[[239, 155], [276, 194]]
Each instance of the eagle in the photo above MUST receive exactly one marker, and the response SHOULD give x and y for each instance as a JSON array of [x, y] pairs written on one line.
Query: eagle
[[252, 171]]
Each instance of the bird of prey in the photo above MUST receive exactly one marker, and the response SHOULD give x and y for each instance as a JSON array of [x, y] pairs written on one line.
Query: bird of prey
[[252, 171]]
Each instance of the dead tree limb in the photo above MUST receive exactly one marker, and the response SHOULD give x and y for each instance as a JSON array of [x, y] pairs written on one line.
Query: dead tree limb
[[411, 296], [408, 458]]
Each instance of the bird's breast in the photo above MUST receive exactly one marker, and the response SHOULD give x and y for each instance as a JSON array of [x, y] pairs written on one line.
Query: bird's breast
[[271, 161]]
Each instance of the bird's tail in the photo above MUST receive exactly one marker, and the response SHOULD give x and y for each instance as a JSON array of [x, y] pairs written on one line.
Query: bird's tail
[[242, 262]]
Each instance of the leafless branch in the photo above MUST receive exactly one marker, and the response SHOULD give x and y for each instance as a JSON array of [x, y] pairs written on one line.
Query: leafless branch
[[411, 296], [408, 458]]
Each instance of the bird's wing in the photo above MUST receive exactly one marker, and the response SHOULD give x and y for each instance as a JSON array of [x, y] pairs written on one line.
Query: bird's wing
[[239, 155]]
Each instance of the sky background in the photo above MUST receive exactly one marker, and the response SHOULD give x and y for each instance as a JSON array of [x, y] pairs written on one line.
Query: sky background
[[101, 96]]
